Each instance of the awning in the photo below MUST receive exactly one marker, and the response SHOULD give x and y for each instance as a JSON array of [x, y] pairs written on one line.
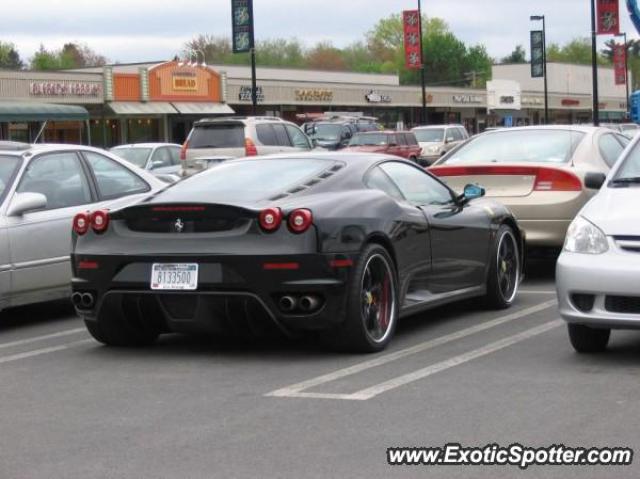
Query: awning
[[203, 108], [29, 111], [139, 108]]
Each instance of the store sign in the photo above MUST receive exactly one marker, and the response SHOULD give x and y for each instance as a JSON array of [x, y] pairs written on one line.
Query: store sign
[[61, 88], [608, 17], [619, 64], [374, 97], [245, 93], [313, 94], [242, 25], [184, 81], [412, 44], [503, 95], [530, 101], [467, 99], [570, 102], [537, 54]]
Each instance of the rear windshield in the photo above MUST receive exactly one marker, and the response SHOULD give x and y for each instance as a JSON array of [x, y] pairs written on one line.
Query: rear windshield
[[368, 139], [247, 180], [429, 135], [217, 136], [137, 156], [326, 131], [547, 146], [8, 167]]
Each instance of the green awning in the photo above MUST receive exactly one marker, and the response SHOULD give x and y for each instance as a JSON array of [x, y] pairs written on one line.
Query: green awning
[[28, 111]]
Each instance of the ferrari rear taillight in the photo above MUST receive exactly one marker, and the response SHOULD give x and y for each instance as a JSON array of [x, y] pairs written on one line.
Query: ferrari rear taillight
[[300, 220], [270, 219], [546, 178], [81, 223], [100, 221], [183, 150], [551, 179], [250, 148]]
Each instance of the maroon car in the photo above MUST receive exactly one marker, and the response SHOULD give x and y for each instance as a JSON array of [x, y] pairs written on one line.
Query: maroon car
[[399, 143]]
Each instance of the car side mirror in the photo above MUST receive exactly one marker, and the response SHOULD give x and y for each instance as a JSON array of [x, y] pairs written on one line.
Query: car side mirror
[[594, 180], [24, 202], [472, 192]]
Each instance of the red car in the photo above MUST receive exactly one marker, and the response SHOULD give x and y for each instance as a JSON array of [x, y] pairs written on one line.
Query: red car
[[399, 143]]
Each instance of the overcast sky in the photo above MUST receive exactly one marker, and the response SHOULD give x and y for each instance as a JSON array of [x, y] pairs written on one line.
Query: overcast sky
[[142, 30]]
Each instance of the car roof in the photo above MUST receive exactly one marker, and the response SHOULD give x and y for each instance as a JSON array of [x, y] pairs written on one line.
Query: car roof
[[580, 128], [146, 145], [428, 127]]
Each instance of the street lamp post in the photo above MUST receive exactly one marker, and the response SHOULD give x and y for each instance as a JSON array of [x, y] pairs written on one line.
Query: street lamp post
[[544, 62], [423, 112], [594, 66], [626, 70]]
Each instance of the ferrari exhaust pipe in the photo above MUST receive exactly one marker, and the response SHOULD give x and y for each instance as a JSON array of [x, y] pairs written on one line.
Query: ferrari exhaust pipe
[[309, 303], [87, 300], [287, 303], [76, 299]]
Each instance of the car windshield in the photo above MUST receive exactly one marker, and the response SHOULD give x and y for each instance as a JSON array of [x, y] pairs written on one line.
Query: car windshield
[[245, 180], [429, 135], [630, 168], [325, 131], [8, 166], [535, 145], [369, 139], [137, 156]]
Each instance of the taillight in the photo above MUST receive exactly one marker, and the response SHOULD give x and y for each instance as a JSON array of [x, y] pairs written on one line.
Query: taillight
[[250, 148], [550, 179], [183, 150], [300, 220], [270, 219], [100, 221], [81, 223]]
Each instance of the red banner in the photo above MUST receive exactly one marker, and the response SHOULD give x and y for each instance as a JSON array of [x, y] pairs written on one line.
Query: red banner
[[608, 17], [619, 68], [412, 44]]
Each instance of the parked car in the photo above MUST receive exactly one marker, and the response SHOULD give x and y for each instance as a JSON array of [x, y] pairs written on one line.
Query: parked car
[[398, 143], [598, 272], [338, 243], [42, 187], [436, 140], [240, 136], [537, 171], [161, 159], [331, 135]]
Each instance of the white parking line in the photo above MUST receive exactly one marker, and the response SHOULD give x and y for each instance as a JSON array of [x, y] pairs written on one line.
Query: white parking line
[[295, 390], [39, 352], [34, 339]]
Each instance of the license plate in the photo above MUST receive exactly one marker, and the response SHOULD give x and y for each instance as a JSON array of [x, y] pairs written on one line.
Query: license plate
[[174, 276]]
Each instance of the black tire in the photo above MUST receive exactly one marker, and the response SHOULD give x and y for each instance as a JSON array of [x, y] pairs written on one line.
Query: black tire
[[413, 159], [588, 340], [504, 270], [114, 328], [357, 333]]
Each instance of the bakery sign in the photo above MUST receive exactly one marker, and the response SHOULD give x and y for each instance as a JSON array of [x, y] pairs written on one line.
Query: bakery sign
[[313, 94], [62, 88], [375, 97], [184, 80]]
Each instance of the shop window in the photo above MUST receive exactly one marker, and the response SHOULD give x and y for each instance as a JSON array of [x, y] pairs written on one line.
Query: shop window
[[60, 178]]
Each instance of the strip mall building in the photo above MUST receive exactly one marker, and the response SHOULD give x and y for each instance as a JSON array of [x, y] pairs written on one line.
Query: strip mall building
[[160, 101]]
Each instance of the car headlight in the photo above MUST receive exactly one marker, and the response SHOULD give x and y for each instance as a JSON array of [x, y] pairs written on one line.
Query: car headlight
[[585, 237]]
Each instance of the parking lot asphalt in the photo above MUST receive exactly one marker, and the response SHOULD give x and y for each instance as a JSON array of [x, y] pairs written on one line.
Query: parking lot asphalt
[[197, 407]]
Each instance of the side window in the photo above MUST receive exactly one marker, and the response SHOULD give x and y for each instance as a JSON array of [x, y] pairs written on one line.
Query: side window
[[457, 134], [450, 136], [113, 179], [378, 180], [281, 135], [400, 139], [161, 158], [174, 152], [610, 149], [463, 133], [417, 186], [298, 138], [59, 177], [266, 135], [411, 139]]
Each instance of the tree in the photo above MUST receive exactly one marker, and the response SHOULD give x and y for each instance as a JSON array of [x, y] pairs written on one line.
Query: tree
[[324, 56], [9, 57], [577, 51], [71, 55], [519, 55]]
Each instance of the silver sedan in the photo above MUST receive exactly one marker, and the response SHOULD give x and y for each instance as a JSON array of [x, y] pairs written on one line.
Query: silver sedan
[[42, 187], [598, 272]]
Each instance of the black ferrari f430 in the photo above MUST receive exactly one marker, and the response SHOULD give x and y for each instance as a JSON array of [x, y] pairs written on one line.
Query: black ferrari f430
[[338, 243]]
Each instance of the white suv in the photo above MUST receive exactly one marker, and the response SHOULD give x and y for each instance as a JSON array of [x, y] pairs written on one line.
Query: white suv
[[436, 140], [234, 137]]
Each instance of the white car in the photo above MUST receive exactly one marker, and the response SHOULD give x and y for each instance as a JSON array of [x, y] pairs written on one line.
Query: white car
[[42, 187], [598, 272]]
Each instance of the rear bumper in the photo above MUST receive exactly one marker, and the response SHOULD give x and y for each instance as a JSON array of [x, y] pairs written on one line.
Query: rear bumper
[[233, 291], [545, 232]]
